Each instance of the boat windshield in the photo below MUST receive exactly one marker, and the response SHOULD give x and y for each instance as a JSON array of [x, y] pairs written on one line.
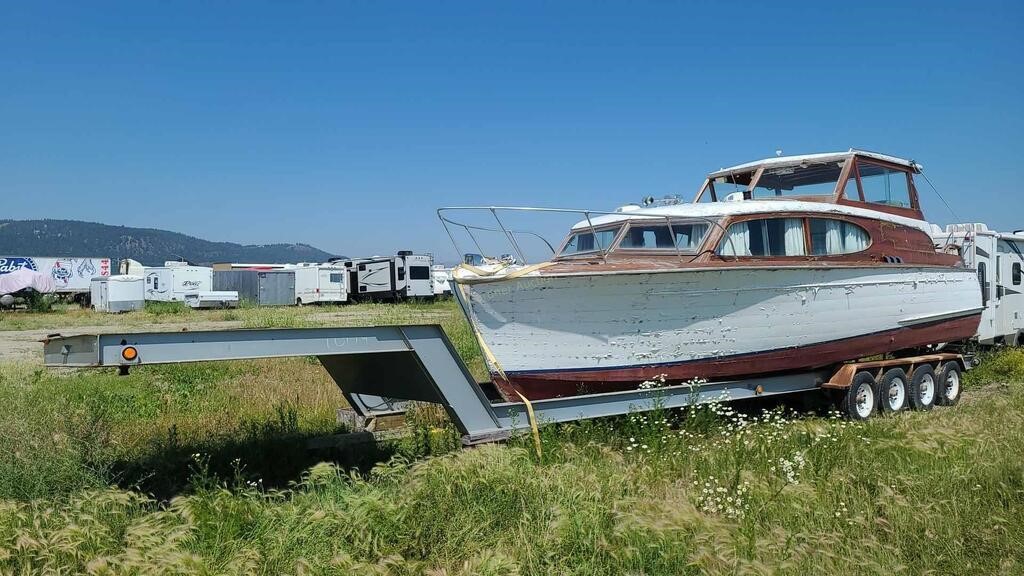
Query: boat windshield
[[803, 180], [587, 240]]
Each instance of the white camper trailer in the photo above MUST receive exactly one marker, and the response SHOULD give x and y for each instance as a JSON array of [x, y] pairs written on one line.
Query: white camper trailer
[[170, 282], [406, 275], [122, 293], [999, 259], [320, 283], [442, 278]]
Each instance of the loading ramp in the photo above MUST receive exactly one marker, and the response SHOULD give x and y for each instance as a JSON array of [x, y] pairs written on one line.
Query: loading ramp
[[380, 368]]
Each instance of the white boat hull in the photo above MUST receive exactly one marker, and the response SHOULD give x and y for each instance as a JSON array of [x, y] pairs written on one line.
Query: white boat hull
[[622, 327]]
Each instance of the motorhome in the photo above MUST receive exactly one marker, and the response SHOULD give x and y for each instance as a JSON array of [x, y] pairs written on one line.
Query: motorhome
[[998, 258], [442, 280], [319, 283], [170, 282]]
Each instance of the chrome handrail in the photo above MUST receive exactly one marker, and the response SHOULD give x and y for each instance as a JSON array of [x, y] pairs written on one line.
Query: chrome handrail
[[511, 234]]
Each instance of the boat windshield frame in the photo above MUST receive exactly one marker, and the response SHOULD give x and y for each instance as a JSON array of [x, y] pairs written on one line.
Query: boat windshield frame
[[588, 217], [745, 180]]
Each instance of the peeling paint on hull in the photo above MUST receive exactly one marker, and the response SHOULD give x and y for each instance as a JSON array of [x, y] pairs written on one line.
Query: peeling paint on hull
[[564, 335]]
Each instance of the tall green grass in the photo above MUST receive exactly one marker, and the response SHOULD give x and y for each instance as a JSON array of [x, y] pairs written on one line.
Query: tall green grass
[[203, 469], [938, 492]]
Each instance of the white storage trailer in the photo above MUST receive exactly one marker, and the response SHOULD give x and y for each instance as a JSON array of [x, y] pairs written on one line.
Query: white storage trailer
[[170, 282], [999, 259], [122, 293]]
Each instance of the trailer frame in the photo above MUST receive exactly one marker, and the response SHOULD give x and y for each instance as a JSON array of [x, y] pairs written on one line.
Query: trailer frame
[[380, 369]]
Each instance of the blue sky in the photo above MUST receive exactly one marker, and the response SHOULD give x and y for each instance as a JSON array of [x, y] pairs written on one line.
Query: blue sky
[[344, 125]]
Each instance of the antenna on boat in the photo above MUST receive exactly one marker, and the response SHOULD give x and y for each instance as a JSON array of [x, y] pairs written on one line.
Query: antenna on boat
[[920, 170], [778, 152]]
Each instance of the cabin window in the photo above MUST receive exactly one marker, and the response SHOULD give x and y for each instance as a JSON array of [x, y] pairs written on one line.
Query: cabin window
[[883, 185], [769, 237], [1016, 274], [336, 277], [811, 180], [589, 241], [830, 237], [686, 236], [419, 273]]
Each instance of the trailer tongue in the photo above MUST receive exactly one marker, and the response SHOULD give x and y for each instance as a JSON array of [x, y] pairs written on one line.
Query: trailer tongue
[[380, 368]]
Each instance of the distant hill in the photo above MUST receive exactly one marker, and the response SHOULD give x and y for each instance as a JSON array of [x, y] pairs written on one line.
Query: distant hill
[[150, 246]]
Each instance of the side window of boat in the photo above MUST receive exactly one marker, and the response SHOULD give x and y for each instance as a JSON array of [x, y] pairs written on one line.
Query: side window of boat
[[768, 237], [830, 237], [590, 241], [883, 185], [687, 236]]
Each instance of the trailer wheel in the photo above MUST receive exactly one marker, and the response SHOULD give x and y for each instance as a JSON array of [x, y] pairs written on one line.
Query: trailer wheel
[[860, 400], [949, 384], [923, 388], [892, 388]]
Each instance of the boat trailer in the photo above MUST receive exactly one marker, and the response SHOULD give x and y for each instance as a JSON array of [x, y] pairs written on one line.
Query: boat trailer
[[380, 369]]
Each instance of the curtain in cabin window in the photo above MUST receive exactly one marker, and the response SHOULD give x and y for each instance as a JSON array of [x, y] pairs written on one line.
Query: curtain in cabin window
[[737, 240], [833, 237], [855, 239], [794, 237]]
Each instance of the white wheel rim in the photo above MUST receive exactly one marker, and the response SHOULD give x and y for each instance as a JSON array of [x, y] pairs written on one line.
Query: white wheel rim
[[926, 390], [865, 401], [897, 393], [952, 384]]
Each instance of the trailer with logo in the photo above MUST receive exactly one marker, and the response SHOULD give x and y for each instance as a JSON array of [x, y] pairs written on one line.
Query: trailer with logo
[[405, 275], [72, 276], [170, 282]]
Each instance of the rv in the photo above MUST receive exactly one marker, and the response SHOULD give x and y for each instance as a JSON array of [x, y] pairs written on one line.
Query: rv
[[317, 283], [170, 282], [998, 259], [405, 275], [442, 280]]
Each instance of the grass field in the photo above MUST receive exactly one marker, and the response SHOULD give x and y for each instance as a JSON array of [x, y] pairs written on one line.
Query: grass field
[[201, 469]]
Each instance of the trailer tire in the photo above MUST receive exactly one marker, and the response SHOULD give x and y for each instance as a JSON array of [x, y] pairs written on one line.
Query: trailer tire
[[923, 388], [861, 399], [892, 391], [950, 384]]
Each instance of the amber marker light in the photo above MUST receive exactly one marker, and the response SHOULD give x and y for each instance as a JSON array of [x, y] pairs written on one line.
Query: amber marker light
[[129, 353]]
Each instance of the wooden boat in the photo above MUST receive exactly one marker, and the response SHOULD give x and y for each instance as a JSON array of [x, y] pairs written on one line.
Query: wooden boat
[[785, 264]]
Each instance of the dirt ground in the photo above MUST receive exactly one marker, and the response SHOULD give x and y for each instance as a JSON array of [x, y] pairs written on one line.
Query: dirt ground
[[26, 345]]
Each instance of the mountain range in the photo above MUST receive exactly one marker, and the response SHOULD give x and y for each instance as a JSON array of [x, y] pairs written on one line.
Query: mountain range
[[150, 246]]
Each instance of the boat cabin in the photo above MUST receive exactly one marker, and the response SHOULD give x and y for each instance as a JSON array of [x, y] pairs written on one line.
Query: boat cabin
[[819, 209], [855, 178]]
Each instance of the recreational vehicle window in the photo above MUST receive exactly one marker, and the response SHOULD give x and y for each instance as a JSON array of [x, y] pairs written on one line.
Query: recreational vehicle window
[[419, 273], [1016, 274], [336, 277], [983, 280]]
